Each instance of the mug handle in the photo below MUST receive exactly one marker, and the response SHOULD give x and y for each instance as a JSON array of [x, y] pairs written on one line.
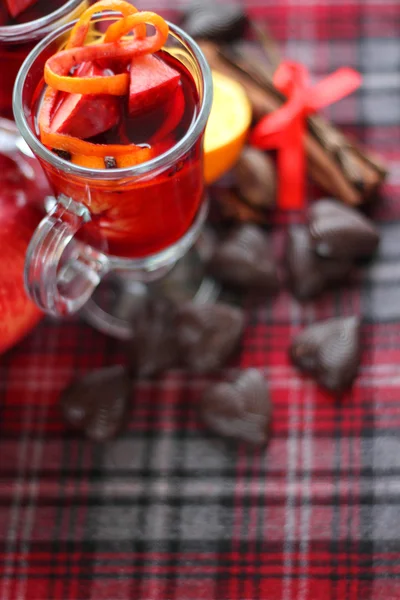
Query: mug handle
[[61, 283]]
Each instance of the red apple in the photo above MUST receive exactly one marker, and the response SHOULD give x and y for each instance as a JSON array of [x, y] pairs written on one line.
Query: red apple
[[22, 190], [152, 82], [84, 116]]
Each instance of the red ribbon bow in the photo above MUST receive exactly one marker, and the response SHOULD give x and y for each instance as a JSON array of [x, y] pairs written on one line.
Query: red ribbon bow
[[284, 129]]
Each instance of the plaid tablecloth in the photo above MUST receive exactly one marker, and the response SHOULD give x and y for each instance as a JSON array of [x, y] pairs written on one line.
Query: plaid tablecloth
[[171, 512]]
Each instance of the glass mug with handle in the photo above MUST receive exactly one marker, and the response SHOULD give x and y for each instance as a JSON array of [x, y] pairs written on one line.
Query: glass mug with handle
[[136, 221]]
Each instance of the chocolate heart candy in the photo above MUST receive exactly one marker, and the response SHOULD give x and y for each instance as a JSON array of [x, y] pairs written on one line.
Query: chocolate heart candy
[[154, 345], [97, 402], [208, 334], [240, 409], [244, 260], [215, 21], [329, 351], [255, 177], [338, 231], [308, 273]]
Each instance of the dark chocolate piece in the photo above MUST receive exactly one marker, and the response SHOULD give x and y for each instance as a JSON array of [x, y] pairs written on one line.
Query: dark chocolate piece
[[244, 260], [64, 154], [97, 403], [208, 334], [308, 273], [215, 21], [338, 231], [154, 346], [255, 177], [329, 351], [240, 409], [110, 162]]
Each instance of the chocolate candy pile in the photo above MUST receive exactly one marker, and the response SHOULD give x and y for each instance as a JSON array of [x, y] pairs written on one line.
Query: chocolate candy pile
[[201, 338]]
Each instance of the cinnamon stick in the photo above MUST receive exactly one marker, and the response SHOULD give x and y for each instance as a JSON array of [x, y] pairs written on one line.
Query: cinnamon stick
[[233, 207], [339, 167]]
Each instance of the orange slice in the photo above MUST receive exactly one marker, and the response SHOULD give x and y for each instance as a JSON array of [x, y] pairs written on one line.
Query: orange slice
[[227, 127]]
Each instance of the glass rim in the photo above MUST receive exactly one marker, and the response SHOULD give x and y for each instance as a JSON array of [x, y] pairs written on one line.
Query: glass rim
[[10, 33], [164, 160]]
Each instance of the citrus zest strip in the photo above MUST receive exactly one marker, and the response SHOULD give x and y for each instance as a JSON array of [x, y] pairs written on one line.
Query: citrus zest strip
[[81, 27], [58, 66], [117, 30]]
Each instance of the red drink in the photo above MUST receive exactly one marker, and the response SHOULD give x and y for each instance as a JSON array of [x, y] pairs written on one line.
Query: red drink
[[20, 34], [140, 217]]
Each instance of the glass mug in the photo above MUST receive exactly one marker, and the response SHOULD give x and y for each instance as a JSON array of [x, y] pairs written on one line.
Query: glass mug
[[159, 205], [18, 39]]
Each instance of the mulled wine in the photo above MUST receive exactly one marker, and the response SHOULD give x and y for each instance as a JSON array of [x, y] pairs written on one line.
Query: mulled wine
[[139, 218]]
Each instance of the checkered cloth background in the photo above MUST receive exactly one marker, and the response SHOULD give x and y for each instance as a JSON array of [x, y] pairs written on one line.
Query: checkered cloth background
[[171, 512]]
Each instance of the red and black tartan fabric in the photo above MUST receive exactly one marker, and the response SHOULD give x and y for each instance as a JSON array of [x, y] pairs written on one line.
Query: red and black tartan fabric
[[170, 511]]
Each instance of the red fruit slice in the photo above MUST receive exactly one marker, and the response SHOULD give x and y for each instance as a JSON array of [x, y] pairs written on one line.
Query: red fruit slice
[[152, 82], [84, 116], [15, 7], [174, 110]]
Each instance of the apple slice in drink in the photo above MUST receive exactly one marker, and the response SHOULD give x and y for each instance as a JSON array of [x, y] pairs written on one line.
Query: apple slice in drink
[[84, 116], [152, 82]]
